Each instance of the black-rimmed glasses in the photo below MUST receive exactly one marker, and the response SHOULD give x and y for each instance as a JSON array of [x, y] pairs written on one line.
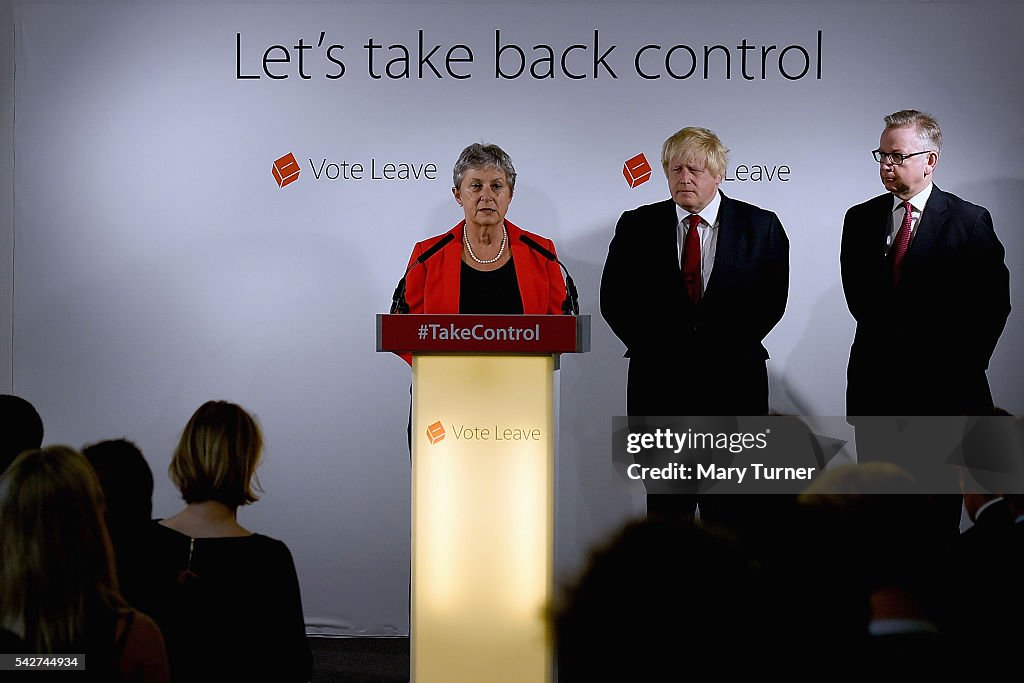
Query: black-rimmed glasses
[[895, 158]]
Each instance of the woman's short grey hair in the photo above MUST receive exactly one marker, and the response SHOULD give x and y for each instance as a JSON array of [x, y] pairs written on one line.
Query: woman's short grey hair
[[480, 155]]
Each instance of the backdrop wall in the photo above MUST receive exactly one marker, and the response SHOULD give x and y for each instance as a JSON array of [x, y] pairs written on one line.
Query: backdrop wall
[[159, 264]]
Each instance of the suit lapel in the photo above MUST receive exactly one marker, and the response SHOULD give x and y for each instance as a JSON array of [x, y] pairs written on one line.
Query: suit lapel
[[881, 228], [449, 273], [533, 298], [725, 248], [663, 247], [668, 234], [932, 221]]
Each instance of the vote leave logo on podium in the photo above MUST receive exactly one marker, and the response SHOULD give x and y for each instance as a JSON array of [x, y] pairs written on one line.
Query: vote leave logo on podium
[[636, 170], [286, 170], [435, 432]]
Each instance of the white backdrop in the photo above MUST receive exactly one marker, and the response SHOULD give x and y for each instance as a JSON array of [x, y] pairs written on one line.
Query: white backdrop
[[158, 264]]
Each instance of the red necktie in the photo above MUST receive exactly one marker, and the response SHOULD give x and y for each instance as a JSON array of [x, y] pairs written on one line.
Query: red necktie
[[900, 244], [693, 280]]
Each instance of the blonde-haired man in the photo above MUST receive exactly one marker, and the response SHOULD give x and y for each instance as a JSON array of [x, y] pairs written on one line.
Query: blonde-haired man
[[692, 285]]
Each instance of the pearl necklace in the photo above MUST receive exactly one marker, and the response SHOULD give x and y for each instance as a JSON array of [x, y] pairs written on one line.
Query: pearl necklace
[[469, 247]]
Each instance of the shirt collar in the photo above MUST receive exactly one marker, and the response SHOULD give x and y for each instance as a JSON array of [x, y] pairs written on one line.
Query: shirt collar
[[709, 214], [892, 627], [986, 506], [917, 201]]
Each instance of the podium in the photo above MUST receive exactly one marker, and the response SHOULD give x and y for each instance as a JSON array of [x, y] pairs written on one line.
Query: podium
[[483, 458]]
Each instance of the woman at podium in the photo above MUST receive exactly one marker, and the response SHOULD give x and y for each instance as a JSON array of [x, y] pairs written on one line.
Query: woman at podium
[[485, 264]]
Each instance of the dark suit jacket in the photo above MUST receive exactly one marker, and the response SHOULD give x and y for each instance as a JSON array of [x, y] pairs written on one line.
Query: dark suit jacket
[[984, 580], [687, 359], [946, 314], [992, 528]]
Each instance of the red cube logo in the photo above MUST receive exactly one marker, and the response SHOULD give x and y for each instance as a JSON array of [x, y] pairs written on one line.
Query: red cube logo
[[435, 432], [286, 170], [636, 170]]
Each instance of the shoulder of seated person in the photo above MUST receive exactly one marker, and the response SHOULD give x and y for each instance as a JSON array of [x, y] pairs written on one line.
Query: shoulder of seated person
[[145, 654]]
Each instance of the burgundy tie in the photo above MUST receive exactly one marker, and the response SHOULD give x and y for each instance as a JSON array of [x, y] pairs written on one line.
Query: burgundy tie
[[900, 244], [692, 278]]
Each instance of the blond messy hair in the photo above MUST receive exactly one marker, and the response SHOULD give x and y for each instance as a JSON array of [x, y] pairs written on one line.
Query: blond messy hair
[[699, 144]]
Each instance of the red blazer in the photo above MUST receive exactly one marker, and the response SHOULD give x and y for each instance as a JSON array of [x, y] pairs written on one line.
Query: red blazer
[[433, 286]]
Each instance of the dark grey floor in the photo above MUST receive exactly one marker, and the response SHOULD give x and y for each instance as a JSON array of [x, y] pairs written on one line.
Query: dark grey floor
[[360, 660]]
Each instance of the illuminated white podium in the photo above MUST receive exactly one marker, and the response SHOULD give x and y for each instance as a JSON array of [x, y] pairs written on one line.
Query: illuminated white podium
[[483, 453]]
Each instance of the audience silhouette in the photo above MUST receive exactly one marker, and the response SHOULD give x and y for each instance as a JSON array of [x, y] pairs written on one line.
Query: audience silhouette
[[127, 484], [854, 570], [21, 428], [226, 599], [58, 588]]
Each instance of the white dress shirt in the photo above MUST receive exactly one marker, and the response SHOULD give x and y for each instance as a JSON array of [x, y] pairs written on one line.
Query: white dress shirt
[[708, 231], [917, 203]]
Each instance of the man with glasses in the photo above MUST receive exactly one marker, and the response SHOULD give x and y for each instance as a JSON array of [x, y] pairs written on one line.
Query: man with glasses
[[924, 277]]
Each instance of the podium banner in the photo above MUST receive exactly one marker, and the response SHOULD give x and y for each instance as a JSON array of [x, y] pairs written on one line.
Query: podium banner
[[426, 333]]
